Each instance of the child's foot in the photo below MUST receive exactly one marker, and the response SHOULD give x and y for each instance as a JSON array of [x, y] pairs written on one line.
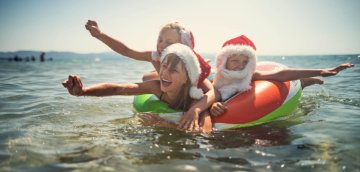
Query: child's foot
[[310, 81]]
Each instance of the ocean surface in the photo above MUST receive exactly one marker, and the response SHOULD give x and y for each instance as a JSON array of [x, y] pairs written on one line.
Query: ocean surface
[[43, 128]]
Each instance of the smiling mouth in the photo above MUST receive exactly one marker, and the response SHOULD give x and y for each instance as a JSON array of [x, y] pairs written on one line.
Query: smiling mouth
[[165, 82]]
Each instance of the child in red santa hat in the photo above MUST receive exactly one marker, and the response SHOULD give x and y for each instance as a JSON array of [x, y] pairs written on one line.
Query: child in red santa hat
[[169, 34], [182, 71], [235, 69]]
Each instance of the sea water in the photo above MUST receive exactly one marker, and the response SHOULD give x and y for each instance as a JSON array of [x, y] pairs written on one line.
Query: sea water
[[43, 128]]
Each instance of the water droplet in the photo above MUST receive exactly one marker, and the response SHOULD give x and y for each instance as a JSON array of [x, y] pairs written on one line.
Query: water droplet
[[156, 145], [282, 165], [168, 157], [208, 149], [170, 134], [184, 149]]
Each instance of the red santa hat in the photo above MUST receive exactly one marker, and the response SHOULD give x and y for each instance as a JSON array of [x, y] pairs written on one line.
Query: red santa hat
[[197, 68], [186, 36], [238, 45], [237, 80]]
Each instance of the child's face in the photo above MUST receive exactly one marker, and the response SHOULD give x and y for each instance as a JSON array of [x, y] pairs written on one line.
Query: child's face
[[166, 38], [237, 62], [172, 76]]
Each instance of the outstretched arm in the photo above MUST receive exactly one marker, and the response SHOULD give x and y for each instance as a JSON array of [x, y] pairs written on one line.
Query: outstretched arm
[[116, 45], [75, 87], [294, 74]]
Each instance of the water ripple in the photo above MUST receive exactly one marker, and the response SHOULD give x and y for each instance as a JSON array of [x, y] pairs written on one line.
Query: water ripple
[[44, 129]]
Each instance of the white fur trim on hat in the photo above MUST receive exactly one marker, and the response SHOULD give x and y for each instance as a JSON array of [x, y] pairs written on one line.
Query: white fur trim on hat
[[229, 50], [230, 82], [192, 65], [196, 93]]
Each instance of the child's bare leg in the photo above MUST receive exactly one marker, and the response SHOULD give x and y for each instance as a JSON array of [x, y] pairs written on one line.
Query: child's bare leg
[[150, 119], [205, 122], [152, 75], [310, 81]]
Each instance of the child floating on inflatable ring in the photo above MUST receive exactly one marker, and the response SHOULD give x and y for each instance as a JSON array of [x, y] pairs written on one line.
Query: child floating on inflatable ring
[[181, 73], [235, 69], [169, 34]]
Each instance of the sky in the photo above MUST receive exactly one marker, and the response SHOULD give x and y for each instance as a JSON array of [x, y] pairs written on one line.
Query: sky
[[277, 27]]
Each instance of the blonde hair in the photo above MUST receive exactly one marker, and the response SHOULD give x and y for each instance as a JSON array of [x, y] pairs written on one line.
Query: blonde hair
[[183, 100], [185, 35]]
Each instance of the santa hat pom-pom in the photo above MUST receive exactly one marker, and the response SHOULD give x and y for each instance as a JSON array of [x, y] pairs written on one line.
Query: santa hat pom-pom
[[196, 93]]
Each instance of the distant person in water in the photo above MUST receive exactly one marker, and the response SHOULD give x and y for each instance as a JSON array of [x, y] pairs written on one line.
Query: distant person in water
[[17, 58], [42, 57]]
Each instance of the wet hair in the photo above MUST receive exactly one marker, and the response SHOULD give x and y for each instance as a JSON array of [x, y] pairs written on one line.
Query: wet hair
[[183, 100]]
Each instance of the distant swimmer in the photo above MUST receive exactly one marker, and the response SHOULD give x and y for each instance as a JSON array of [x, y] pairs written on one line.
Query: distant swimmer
[[42, 57]]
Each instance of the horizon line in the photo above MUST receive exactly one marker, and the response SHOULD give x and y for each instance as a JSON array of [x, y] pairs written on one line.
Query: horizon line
[[103, 52]]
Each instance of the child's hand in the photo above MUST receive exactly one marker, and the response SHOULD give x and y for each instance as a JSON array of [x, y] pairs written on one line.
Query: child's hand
[[217, 108], [74, 85], [336, 70], [93, 28], [189, 121]]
